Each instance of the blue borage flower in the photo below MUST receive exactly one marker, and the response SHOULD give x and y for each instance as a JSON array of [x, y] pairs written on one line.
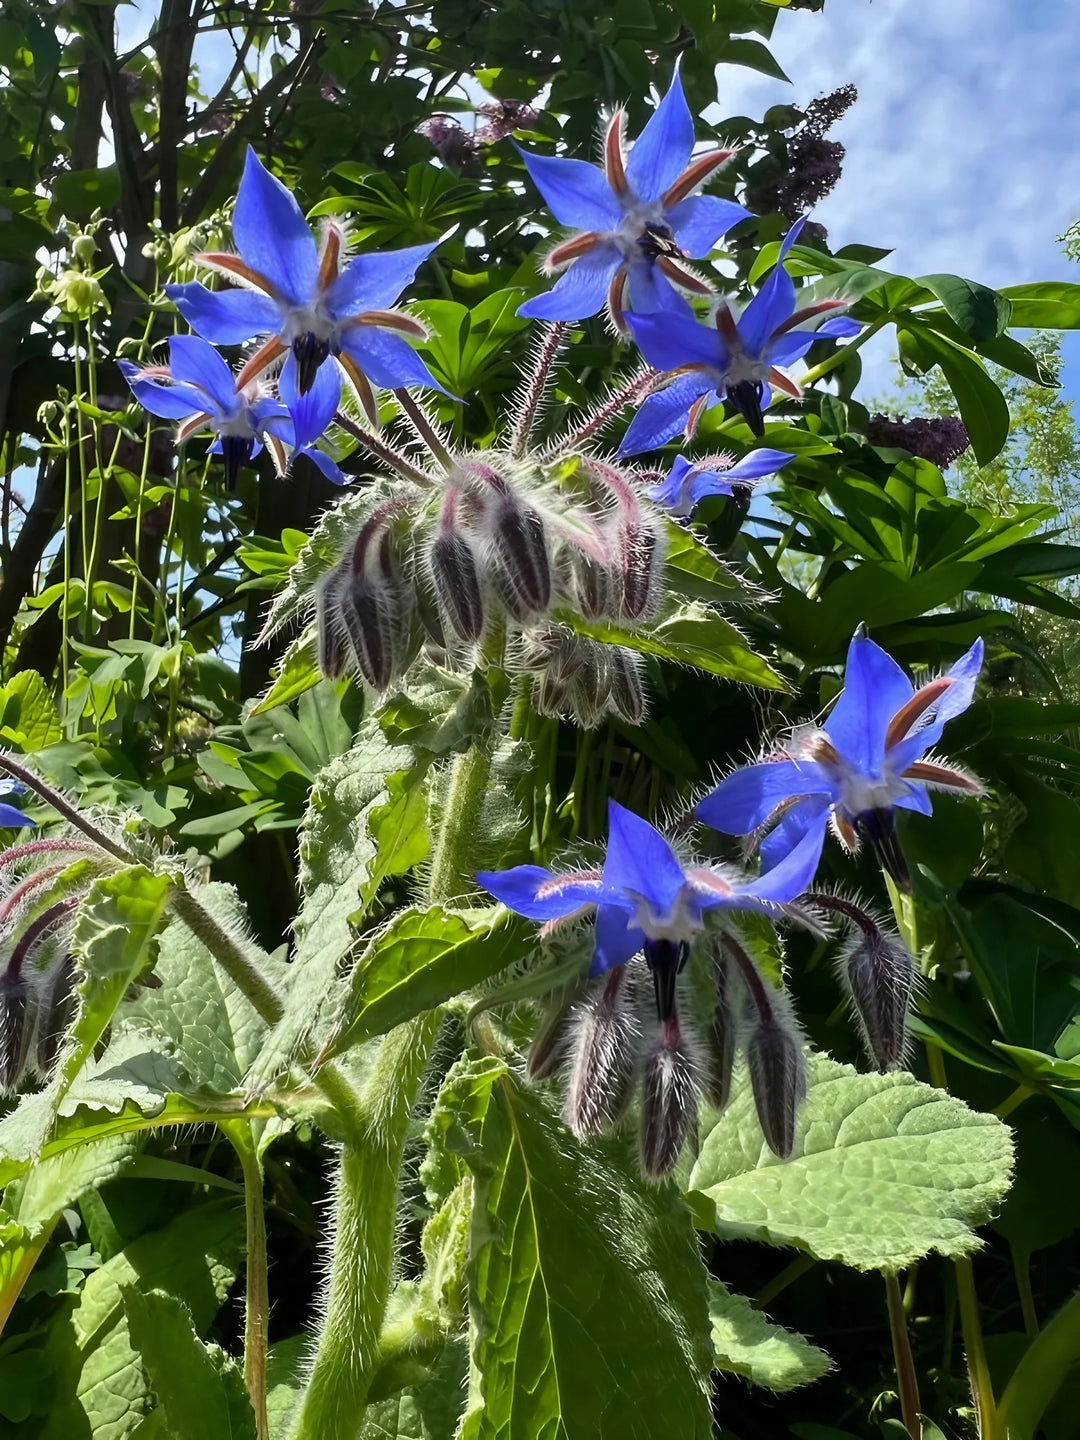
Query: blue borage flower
[[636, 218], [865, 762], [737, 360], [644, 899], [10, 815], [198, 389], [692, 480], [313, 302]]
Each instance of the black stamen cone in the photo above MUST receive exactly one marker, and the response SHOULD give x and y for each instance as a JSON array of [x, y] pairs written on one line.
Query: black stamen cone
[[236, 452], [657, 240], [746, 397], [877, 828], [665, 959], [310, 352]]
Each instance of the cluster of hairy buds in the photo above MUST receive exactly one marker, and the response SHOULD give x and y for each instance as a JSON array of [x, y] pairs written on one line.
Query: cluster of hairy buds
[[940, 440], [617, 1040], [460, 148], [880, 977], [582, 678], [37, 978], [499, 542]]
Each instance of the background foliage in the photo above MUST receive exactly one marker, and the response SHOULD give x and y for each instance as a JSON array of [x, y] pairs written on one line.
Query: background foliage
[[133, 589]]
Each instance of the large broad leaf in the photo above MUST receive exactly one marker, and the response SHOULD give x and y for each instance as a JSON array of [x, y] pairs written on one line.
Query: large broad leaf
[[101, 1386], [1045, 305], [422, 959], [979, 311], [588, 1300], [747, 1343], [197, 1016], [693, 570], [693, 635], [366, 820], [884, 1171], [199, 1389]]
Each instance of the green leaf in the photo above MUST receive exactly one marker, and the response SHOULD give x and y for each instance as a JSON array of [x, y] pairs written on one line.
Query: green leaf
[[297, 673], [366, 820], [693, 570], [693, 636], [1044, 305], [200, 1389], [747, 1343], [884, 1171], [580, 1276], [422, 959], [979, 311], [102, 1389], [983, 407], [29, 718], [426, 1411]]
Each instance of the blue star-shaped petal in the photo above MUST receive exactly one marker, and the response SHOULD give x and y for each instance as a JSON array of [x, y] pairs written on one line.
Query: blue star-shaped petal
[[691, 480], [636, 218], [738, 360], [11, 817], [644, 899], [315, 302], [866, 761], [198, 389]]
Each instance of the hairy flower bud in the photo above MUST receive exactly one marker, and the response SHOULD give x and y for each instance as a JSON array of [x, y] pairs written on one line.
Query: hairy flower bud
[[603, 1056], [641, 562], [552, 1037], [627, 698], [590, 690], [668, 1102], [332, 636], [594, 588], [57, 1004], [454, 575], [721, 1038], [879, 975], [16, 1026], [777, 1076], [374, 605], [522, 570]]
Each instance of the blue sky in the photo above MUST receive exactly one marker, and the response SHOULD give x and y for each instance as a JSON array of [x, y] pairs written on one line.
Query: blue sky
[[963, 151]]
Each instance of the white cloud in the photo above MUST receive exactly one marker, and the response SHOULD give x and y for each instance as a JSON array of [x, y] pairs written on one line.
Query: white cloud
[[962, 150]]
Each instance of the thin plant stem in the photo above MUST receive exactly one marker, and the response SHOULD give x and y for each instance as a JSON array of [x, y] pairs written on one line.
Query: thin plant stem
[[530, 398], [65, 653], [1013, 1101], [790, 1273], [907, 1378], [244, 1140], [1045, 1365], [424, 428], [384, 451], [64, 807], [602, 414], [839, 356], [1022, 1270], [978, 1369], [231, 954], [138, 530]]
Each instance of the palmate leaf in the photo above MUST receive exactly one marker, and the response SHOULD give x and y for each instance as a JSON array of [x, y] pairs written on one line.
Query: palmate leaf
[[588, 1299], [885, 1170], [747, 1343]]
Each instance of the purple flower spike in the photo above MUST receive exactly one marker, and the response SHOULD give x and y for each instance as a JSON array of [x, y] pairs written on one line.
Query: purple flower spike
[[865, 762], [314, 302], [644, 899], [635, 219], [740, 361], [198, 389], [692, 480]]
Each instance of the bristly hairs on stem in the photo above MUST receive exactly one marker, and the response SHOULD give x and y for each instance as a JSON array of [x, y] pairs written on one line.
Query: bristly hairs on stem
[[382, 449], [64, 807], [430, 434], [601, 415], [531, 399]]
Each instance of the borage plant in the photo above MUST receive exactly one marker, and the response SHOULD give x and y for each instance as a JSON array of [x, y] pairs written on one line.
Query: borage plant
[[484, 1221]]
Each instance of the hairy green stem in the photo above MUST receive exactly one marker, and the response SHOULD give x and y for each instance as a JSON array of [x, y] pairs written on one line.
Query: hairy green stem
[[978, 1369], [242, 1134], [790, 1273], [64, 807], [231, 955], [362, 1255], [907, 1379]]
